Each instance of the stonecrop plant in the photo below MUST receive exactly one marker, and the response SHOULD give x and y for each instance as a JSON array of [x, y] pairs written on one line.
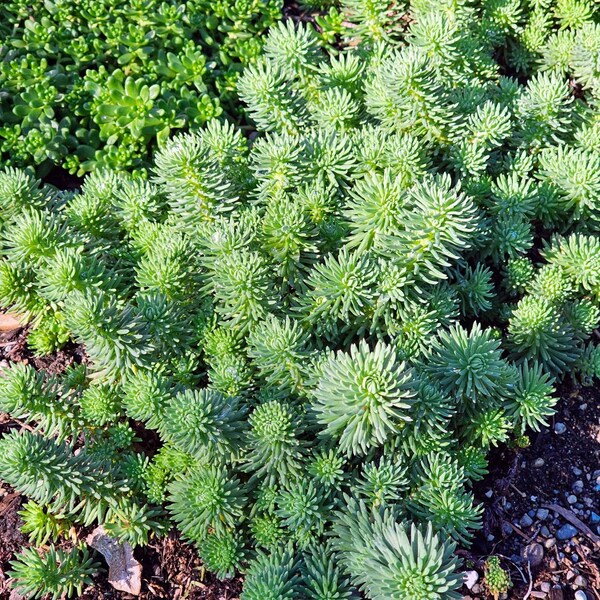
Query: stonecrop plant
[[92, 84], [327, 326]]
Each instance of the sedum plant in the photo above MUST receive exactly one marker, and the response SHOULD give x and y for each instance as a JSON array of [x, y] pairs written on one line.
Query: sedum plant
[[94, 85], [323, 328]]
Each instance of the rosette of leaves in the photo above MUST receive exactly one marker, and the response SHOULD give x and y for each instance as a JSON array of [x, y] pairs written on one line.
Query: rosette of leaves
[[87, 87]]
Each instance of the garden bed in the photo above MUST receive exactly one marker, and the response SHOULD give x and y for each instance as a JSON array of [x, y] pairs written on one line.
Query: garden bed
[[515, 494]]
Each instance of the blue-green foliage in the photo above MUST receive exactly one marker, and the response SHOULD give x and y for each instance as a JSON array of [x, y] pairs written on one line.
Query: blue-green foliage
[[328, 327]]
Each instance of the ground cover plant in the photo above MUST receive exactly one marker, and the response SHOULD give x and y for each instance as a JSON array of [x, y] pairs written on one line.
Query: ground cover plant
[[102, 84], [326, 328]]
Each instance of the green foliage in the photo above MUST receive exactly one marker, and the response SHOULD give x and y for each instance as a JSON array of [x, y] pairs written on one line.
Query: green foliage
[[104, 85], [56, 574], [388, 277], [496, 579]]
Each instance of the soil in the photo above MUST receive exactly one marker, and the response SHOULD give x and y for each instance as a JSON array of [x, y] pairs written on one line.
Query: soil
[[531, 493], [516, 494]]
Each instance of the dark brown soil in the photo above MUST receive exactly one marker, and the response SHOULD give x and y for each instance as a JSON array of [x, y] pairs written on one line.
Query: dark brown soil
[[553, 468]]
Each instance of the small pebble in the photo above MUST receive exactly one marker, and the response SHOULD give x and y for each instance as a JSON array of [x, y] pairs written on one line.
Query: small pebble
[[572, 499], [580, 581], [506, 528], [580, 595], [566, 532], [575, 557], [582, 406], [542, 514], [549, 543], [489, 493], [560, 428], [490, 538], [470, 578], [538, 462], [578, 486], [525, 521], [545, 587], [594, 517], [552, 564], [534, 554], [577, 472], [545, 531]]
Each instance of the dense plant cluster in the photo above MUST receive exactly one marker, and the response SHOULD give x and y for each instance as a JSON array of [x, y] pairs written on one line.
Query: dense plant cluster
[[327, 328], [90, 84]]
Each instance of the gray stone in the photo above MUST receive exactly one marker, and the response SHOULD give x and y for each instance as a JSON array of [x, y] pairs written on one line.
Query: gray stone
[[542, 514], [525, 521], [534, 554], [545, 587], [580, 595], [580, 581], [572, 499], [470, 578], [506, 528], [560, 428], [550, 543], [577, 472], [538, 462], [545, 531], [556, 593], [566, 532], [578, 486]]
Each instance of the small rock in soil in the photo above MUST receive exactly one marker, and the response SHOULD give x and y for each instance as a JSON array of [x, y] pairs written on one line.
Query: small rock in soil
[[578, 486], [560, 428], [534, 553], [470, 578], [538, 462], [580, 581], [566, 532], [580, 595], [542, 514], [525, 521], [594, 517], [550, 543], [572, 499]]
